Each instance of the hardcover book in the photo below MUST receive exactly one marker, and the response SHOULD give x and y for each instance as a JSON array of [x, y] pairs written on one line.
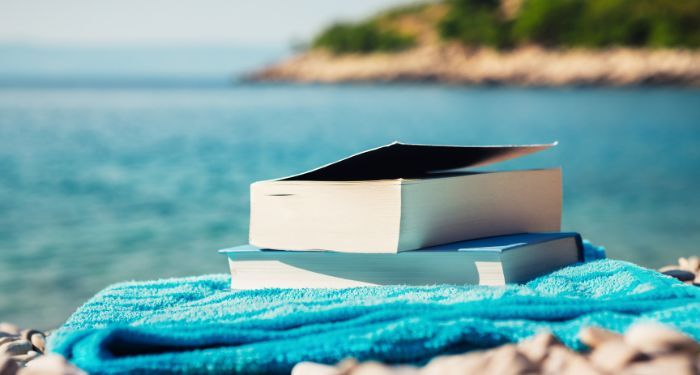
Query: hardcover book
[[489, 261], [402, 197]]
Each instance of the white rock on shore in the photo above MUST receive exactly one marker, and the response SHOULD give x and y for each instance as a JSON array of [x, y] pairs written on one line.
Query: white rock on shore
[[527, 66]]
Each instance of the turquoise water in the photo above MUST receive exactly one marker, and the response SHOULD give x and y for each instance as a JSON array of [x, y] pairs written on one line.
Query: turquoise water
[[99, 185]]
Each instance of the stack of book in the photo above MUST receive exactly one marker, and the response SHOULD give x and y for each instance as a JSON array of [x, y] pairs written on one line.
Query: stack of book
[[406, 214]]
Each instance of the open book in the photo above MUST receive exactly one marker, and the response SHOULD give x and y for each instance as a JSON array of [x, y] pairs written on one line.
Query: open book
[[402, 197]]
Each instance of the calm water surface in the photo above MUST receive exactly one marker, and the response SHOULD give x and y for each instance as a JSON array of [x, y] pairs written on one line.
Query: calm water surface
[[105, 185]]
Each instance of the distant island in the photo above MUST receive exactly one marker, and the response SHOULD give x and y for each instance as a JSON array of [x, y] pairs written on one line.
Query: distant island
[[508, 42]]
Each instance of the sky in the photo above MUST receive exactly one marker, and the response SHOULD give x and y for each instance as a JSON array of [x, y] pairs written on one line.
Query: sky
[[174, 22]]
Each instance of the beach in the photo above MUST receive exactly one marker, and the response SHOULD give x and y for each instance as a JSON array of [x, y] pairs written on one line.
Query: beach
[[524, 66]]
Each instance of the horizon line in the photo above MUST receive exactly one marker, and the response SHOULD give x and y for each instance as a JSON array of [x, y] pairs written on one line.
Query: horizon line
[[143, 44]]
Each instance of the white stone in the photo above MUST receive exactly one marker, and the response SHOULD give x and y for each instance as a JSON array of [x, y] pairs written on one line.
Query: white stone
[[311, 368], [50, 364], [16, 347], [653, 338], [594, 336]]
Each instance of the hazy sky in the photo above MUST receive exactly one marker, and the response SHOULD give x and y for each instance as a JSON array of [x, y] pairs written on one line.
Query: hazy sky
[[174, 21]]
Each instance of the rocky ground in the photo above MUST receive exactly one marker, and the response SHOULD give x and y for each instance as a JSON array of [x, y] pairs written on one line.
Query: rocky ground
[[525, 66], [22, 352], [687, 270], [644, 349]]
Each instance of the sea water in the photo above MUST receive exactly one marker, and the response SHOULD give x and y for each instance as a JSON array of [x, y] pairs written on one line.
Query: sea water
[[106, 183]]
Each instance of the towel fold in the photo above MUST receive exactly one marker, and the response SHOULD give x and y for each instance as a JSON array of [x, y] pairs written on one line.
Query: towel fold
[[198, 325]]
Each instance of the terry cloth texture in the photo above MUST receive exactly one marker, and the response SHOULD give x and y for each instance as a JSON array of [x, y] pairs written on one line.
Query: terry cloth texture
[[198, 325]]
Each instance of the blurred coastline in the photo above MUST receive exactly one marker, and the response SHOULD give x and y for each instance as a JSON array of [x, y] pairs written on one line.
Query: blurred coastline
[[525, 66], [507, 42]]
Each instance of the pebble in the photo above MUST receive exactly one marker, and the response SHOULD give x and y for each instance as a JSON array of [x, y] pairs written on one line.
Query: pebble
[[311, 368], [50, 364], [38, 341], [680, 274], [8, 366], [667, 365], [27, 334], [347, 365], [691, 264], [22, 346], [594, 336], [536, 348], [25, 358], [372, 368], [612, 356], [557, 360], [471, 363], [652, 339], [668, 268], [9, 328], [687, 270], [578, 365], [507, 360], [16, 347]]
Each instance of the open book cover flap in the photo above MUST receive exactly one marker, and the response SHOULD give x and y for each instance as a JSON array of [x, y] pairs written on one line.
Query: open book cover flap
[[400, 160]]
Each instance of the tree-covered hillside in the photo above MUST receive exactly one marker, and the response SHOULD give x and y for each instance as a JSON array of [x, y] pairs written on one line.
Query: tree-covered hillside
[[509, 23]]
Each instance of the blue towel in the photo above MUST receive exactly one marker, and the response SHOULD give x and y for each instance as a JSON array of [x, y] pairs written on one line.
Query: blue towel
[[198, 325]]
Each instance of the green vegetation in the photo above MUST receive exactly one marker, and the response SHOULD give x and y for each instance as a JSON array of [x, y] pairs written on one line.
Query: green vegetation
[[476, 22], [363, 38], [603, 23], [403, 10], [574, 23], [550, 23]]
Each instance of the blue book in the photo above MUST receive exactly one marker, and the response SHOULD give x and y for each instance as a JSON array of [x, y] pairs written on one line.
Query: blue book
[[488, 261]]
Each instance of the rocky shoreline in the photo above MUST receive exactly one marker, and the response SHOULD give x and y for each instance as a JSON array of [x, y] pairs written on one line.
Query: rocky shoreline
[[524, 66]]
